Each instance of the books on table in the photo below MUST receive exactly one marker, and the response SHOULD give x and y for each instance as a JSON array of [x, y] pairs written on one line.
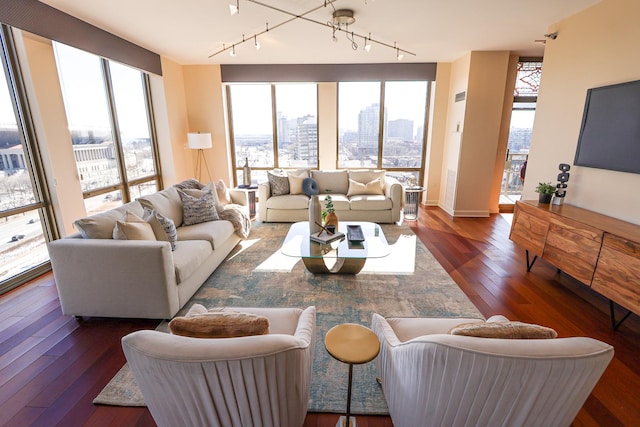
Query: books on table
[[324, 237]]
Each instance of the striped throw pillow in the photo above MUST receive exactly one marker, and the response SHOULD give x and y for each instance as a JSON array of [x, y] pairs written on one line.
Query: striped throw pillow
[[198, 208]]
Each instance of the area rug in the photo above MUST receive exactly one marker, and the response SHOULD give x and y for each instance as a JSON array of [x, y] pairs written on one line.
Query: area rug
[[407, 283]]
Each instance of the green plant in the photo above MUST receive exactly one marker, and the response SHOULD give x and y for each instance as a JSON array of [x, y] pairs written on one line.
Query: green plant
[[545, 188], [329, 205]]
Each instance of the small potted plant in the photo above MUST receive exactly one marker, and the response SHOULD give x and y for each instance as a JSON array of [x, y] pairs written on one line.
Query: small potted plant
[[331, 218], [545, 191]]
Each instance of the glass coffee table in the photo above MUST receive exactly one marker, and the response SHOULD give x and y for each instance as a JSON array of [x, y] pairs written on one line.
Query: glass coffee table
[[342, 256]]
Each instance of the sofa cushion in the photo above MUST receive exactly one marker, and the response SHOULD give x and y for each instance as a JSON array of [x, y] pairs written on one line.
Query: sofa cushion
[[367, 175], [288, 202], [504, 330], [167, 202], [132, 227], [100, 226], [334, 182], [198, 206], [371, 187], [368, 202], [214, 232], [278, 182], [220, 325], [190, 183], [295, 183], [223, 193], [163, 227], [340, 202], [188, 257]]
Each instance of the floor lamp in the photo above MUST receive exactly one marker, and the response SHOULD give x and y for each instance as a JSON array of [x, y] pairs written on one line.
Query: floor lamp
[[200, 141]]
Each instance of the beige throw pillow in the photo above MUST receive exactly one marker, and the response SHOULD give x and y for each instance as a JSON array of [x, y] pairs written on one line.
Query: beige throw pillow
[[295, 183], [223, 193], [373, 187], [132, 227], [504, 330], [220, 325]]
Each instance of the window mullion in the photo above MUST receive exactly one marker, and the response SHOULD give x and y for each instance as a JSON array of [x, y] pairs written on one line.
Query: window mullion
[[148, 101], [234, 164], [115, 130], [274, 124], [381, 127]]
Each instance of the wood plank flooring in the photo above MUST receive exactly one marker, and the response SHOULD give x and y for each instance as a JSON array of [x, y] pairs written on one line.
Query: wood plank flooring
[[52, 366]]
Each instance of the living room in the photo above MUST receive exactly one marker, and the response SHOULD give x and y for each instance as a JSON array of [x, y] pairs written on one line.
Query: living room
[[591, 49]]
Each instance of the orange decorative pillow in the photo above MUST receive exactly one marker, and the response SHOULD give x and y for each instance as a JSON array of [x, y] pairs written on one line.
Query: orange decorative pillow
[[219, 325], [504, 330]]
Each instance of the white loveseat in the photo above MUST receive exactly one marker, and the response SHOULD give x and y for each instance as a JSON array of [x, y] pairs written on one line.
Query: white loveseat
[[432, 378], [261, 380], [99, 276], [348, 199]]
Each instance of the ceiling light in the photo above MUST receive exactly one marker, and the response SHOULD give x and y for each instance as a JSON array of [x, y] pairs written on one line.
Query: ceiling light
[[256, 43], [232, 52], [234, 8], [343, 17], [399, 56], [367, 43]]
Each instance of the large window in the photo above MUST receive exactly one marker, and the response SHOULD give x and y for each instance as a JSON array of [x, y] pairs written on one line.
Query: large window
[[397, 145], [25, 217], [525, 96], [273, 125], [108, 112]]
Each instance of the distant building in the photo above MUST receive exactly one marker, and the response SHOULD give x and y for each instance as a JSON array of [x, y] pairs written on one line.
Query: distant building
[[400, 129]]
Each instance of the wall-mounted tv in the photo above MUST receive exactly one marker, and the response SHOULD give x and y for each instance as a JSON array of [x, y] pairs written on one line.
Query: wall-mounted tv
[[610, 131]]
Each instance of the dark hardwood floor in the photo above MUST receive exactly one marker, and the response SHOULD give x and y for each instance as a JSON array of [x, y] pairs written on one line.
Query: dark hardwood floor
[[52, 366]]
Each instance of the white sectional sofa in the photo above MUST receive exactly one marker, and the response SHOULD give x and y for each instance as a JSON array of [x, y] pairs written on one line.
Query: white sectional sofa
[[353, 192], [99, 276]]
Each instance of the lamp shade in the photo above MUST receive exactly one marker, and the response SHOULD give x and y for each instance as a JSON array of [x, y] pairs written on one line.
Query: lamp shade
[[198, 141]]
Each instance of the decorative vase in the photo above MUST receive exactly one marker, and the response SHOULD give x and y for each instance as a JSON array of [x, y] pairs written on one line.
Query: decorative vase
[[331, 219], [246, 173], [315, 214], [544, 198]]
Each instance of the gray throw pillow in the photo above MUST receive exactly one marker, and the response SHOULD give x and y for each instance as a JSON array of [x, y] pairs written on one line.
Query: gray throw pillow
[[279, 183], [164, 228], [198, 208]]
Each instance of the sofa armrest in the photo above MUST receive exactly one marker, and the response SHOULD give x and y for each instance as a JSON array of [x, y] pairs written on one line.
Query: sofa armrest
[[264, 192], [239, 196], [393, 190], [104, 277]]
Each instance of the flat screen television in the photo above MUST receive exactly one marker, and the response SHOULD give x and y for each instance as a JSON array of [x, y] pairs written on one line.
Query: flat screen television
[[610, 132]]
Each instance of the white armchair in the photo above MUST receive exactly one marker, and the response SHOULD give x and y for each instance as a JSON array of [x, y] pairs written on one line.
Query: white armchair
[[431, 378], [249, 381]]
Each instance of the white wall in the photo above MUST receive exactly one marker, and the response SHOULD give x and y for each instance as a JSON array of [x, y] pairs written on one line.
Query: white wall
[[596, 47]]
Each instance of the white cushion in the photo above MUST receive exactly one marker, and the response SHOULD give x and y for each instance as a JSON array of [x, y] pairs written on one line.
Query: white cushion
[[132, 227], [333, 182], [288, 202], [371, 187], [100, 226], [167, 202], [365, 203], [295, 183], [214, 232], [189, 256], [364, 176]]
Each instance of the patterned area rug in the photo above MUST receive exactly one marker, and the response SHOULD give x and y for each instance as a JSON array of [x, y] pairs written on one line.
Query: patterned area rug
[[407, 283]]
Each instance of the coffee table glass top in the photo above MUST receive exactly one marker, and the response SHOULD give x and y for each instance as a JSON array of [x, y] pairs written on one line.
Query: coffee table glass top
[[298, 244]]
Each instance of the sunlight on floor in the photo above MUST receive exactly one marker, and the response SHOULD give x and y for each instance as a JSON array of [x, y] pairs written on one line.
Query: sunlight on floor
[[244, 245], [401, 260], [278, 262], [507, 217]]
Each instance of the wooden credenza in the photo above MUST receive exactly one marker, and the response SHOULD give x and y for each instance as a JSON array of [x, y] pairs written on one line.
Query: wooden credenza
[[600, 251]]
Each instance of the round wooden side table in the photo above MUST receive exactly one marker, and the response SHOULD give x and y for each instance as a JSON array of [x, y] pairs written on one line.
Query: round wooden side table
[[355, 345]]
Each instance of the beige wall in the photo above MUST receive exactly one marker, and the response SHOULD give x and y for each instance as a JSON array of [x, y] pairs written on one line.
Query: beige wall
[[205, 111], [437, 130], [170, 111], [594, 48], [40, 74]]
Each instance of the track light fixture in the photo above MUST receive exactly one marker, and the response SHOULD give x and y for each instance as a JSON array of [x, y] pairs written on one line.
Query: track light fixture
[[340, 21], [367, 43], [233, 51], [234, 8]]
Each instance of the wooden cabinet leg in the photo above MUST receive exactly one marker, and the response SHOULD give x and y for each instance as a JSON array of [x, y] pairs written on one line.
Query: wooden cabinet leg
[[615, 325], [530, 264]]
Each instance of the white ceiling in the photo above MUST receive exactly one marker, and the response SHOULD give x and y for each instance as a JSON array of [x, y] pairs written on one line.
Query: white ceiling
[[189, 31]]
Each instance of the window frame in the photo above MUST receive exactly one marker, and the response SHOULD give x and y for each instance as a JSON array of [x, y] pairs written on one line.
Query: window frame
[[274, 129], [125, 185], [32, 155], [382, 130]]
